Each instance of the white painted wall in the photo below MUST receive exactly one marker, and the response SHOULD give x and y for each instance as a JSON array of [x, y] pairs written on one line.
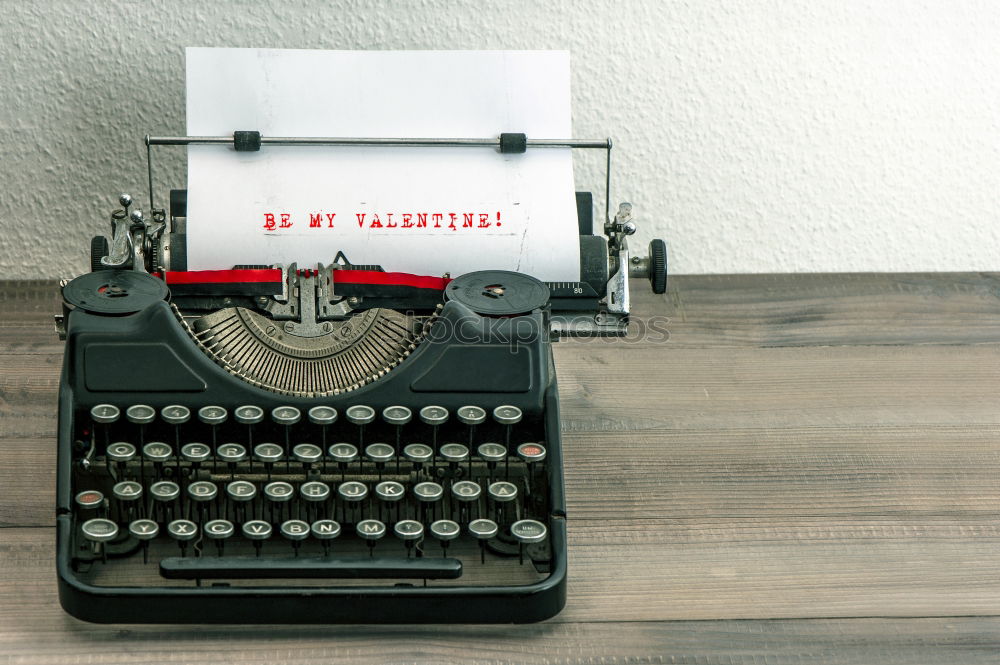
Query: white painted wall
[[764, 136]]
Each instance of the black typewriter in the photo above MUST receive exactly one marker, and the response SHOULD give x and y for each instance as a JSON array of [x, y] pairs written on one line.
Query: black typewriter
[[321, 444]]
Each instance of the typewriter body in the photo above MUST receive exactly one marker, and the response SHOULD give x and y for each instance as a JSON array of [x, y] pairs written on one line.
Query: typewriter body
[[318, 444]]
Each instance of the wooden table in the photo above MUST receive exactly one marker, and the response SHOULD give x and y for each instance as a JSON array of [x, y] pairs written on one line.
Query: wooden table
[[807, 470]]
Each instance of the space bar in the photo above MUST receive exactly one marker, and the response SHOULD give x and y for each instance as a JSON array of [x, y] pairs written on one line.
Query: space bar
[[241, 568]]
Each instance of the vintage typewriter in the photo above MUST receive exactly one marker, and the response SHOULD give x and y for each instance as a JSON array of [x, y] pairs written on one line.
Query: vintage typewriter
[[323, 443]]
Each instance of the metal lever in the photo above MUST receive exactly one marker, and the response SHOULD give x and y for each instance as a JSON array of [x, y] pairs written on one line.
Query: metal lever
[[121, 241], [237, 568]]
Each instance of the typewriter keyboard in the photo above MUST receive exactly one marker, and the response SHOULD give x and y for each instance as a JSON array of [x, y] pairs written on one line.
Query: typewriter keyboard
[[183, 495]]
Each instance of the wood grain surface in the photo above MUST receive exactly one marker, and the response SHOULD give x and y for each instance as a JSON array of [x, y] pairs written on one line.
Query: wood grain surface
[[770, 469]]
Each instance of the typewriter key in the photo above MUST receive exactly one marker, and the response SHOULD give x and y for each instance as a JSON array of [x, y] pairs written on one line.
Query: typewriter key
[[531, 453], [140, 414], [183, 531], [501, 493], [371, 531], [269, 454], [419, 454], [286, 416], [471, 416], [409, 531], [164, 493], [295, 531], [99, 531], [343, 454], [248, 414], [195, 453], [527, 532], [380, 454], [241, 491], [232, 454], [435, 416], [121, 452], [89, 500], [398, 416], [428, 494], [360, 414], [466, 491], [278, 493], [158, 453], [127, 494], [212, 415], [483, 530], [175, 414], [389, 492], [314, 491], [144, 531], [256, 531], [445, 531], [508, 416], [219, 531], [492, 453], [323, 416], [202, 491], [351, 492], [454, 454], [324, 531], [105, 414], [308, 454]]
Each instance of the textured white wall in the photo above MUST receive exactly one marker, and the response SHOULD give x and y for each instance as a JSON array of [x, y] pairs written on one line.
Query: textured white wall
[[791, 135]]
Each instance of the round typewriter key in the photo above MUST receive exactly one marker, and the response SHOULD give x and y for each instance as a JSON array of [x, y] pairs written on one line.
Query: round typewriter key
[[380, 452], [212, 415], [99, 530], [314, 491], [231, 453], [471, 415], [428, 491], [390, 490], [502, 492], [325, 531], [196, 453], [248, 414], [454, 452], [182, 531], [295, 531], [202, 491], [269, 453], [397, 415], [370, 530], [256, 530], [492, 452], [418, 453], [143, 529], [121, 452], [127, 490], [531, 452], [241, 491], [466, 490], [352, 491], [279, 491], [360, 414], [157, 452], [105, 414], [507, 415], [409, 531], [140, 414], [344, 453], [445, 531], [286, 415], [219, 529], [483, 530], [89, 499], [528, 531], [434, 415], [307, 453], [322, 415], [164, 491], [175, 414]]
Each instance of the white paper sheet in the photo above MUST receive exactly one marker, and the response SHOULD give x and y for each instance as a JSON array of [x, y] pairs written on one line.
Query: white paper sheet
[[420, 210]]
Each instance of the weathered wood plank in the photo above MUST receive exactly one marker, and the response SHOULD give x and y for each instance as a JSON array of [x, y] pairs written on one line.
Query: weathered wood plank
[[749, 569], [696, 473], [611, 388]]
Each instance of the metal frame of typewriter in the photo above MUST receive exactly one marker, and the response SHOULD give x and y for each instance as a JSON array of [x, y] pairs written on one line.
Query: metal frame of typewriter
[[175, 370]]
